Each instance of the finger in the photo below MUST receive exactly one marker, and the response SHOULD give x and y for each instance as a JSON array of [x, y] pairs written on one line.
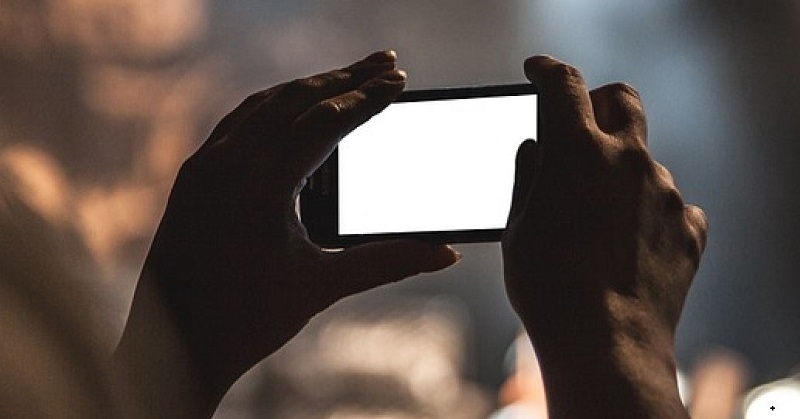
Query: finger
[[618, 110], [236, 117], [293, 98], [663, 175], [524, 177], [698, 224], [297, 96], [563, 95], [367, 266], [317, 131]]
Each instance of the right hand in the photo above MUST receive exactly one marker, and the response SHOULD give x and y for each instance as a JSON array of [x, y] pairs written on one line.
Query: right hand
[[600, 249], [596, 223]]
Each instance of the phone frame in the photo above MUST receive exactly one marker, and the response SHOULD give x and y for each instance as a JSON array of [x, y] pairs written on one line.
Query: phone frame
[[319, 206]]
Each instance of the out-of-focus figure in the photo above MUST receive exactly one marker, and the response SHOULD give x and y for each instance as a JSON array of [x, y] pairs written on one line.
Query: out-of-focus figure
[[522, 395], [53, 349], [108, 96], [394, 359], [718, 382]]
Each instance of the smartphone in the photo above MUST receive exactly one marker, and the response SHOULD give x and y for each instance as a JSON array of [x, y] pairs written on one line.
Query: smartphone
[[436, 165]]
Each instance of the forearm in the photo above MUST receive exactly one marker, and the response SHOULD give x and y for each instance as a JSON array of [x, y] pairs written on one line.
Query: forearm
[[154, 362], [615, 365], [611, 386], [599, 251]]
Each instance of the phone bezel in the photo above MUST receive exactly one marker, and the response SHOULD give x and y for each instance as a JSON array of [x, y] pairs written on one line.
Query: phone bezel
[[319, 209]]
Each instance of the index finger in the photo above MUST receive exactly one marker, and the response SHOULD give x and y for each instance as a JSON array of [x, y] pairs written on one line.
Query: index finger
[[317, 131], [292, 99], [297, 96], [562, 90]]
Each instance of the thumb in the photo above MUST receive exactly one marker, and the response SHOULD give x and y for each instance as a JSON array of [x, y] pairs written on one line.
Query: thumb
[[526, 168], [367, 266]]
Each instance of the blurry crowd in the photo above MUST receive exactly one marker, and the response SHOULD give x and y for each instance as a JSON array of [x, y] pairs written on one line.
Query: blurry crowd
[[101, 102]]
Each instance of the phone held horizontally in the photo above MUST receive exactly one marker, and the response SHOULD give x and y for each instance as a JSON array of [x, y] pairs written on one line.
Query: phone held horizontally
[[436, 165]]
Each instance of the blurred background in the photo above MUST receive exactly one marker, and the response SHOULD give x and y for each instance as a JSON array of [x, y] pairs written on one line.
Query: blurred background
[[101, 100]]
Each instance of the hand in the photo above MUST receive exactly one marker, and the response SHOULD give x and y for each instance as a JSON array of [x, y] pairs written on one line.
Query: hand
[[600, 250], [231, 262]]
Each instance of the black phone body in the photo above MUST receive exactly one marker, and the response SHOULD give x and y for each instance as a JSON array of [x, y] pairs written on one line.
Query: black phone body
[[436, 165]]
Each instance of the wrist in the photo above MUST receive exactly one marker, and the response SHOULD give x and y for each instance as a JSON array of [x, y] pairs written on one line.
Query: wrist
[[619, 363], [618, 383], [154, 359]]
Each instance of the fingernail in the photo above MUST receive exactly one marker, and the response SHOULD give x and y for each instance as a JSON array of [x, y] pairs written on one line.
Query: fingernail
[[394, 75], [388, 56]]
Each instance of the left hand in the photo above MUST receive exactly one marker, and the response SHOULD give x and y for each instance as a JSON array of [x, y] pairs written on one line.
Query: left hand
[[231, 261]]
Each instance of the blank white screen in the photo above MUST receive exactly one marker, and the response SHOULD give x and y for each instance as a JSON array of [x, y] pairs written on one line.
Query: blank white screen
[[439, 165]]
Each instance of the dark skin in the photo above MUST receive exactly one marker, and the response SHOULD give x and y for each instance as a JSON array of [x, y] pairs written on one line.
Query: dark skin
[[599, 251], [231, 271]]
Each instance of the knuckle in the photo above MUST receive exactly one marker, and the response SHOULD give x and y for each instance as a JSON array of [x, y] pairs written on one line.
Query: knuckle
[[672, 199], [663, 176], [639, 161], [330, 107], [565, 71], [697, 219], [603, 96], [306, 84], [626, 97], [336, 75], [301, 86], [697, 232], [668, 193], [325, 113], [625, 88], [700, 216], [352, 103], [357, 100]]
